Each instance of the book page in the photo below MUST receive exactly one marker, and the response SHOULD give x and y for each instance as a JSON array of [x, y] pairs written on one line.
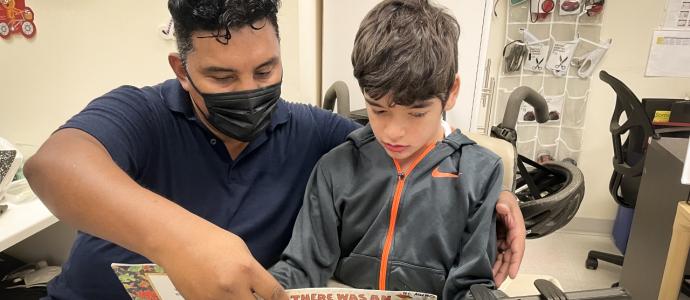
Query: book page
[[149, 282]]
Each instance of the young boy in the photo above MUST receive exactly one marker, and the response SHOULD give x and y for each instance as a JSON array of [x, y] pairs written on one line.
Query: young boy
[[405, 203]]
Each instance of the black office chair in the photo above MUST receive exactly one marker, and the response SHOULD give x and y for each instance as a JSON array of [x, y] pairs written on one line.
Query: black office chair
[[628, 157]]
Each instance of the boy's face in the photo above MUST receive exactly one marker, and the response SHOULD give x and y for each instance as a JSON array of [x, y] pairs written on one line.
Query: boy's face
[[404, 131]]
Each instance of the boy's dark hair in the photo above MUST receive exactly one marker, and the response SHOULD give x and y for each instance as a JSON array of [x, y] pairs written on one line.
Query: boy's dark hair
[[219, 17], [408, 48]]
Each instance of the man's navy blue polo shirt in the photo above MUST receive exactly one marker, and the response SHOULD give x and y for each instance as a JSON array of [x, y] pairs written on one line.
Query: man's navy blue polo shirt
[[154, 136]]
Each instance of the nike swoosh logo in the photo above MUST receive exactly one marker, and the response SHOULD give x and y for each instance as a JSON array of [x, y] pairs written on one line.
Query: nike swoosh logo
[[438, 174]]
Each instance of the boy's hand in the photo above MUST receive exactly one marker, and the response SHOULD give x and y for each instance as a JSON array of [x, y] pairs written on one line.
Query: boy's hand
[[510, 230], [218, 265]]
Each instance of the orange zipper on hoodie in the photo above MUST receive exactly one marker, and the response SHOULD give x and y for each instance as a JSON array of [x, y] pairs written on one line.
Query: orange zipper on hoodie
[[394, 213]]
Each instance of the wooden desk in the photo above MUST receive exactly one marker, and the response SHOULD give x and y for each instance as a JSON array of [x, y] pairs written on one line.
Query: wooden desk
[[677, 254]]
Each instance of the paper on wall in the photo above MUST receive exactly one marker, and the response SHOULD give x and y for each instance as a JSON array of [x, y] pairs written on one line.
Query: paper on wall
[[669, 54], [677, 14]]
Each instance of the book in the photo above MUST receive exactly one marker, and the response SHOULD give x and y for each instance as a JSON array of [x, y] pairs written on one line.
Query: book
[[150, 282]]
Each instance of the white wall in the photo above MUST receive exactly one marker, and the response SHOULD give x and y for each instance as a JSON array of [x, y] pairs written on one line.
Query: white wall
[[300, 49], [631, 28], [83, 49]]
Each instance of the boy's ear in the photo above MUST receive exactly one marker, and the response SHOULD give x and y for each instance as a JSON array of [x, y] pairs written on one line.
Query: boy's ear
[[453, 95], [177, 66]]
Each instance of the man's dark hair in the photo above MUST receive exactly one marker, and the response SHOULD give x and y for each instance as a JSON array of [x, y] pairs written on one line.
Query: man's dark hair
[[218, 17], [408, 48]]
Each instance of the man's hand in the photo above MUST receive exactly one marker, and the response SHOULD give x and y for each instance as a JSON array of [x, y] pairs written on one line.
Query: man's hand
[[510, 230], [218, 265]]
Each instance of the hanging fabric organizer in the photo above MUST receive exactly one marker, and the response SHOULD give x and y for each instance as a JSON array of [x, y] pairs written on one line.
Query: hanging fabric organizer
[[563, 51]]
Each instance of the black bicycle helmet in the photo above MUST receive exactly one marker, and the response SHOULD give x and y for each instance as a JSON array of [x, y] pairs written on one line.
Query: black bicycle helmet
[[551, 193], [561, 195]]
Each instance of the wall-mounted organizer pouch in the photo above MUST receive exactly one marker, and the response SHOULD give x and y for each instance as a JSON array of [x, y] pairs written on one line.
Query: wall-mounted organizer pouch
[[537, 52], [587, 63], [561, 57]]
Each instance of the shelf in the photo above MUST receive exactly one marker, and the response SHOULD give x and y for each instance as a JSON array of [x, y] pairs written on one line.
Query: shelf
[[23, 220], [674, 124]]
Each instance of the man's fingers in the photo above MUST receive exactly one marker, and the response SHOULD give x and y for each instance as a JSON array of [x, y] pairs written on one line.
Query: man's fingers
[[517, 249], [503, 271], [517, 234], [499, 280], [502, 268], [512, 246], [265, 286], [497, 264], [502, 209], [244, 295]]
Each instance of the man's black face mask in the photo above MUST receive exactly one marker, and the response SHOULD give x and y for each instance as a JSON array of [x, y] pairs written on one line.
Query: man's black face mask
[[241, 115]]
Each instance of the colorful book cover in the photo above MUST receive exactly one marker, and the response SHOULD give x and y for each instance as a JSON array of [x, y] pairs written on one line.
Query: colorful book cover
[[149, 282], [139, 281]]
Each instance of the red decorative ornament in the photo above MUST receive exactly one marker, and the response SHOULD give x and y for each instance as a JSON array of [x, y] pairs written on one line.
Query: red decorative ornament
[[547, 6], [570, 5], [16, 18]]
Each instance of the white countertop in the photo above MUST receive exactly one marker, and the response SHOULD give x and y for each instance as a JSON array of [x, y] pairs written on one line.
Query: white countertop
[[22, 220]]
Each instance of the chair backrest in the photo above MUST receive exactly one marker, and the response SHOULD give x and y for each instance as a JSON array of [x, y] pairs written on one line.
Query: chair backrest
[[339, 94], [628, 156]]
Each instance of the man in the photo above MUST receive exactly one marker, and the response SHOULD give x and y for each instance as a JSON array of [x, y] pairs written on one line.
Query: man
[[203, 175]]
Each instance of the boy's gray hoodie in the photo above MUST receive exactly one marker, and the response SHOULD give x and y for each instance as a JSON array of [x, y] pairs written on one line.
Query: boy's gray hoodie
[[432, 226]]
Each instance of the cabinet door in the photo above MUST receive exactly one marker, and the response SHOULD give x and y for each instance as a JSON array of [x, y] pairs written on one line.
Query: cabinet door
[[341, 20]]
